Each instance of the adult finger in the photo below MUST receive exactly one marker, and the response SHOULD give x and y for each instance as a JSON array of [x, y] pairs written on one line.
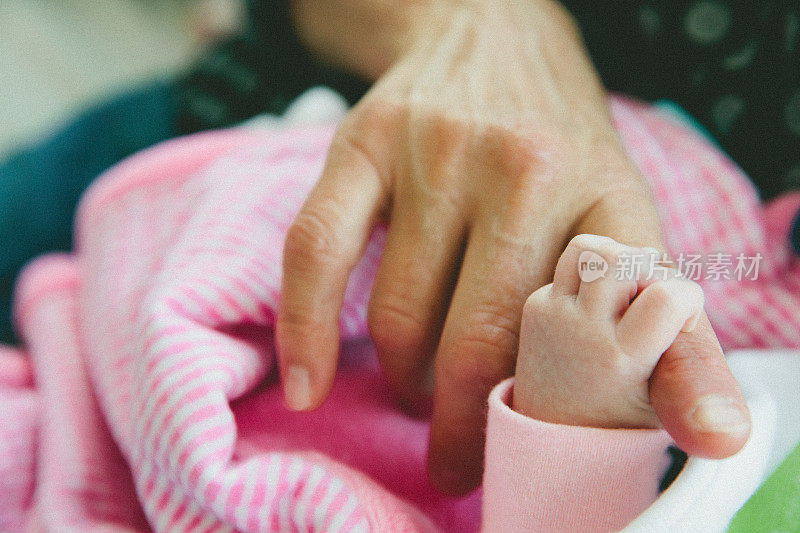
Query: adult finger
[[322, 246], [692, 390], [412, 290], [479, 346], [697, 398]]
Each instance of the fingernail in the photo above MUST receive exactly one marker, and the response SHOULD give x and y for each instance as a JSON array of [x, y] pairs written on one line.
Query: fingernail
[[297, 388], [691, 324], [718, 414]]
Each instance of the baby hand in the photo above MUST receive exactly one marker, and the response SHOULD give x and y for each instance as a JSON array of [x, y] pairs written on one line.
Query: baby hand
[[590, 340]]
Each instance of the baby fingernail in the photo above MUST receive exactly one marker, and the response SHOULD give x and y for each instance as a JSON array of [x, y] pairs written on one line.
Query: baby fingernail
[[718, 414], [691, 323], [297, 388]]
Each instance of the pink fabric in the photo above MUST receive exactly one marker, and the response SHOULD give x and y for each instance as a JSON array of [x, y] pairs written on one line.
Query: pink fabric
[[82, 482], [19, 417], [156, 404], [529, 462], [708, 206], [781, 213]]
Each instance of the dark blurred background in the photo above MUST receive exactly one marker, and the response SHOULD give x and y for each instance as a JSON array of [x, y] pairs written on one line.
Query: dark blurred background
[[59, 56]]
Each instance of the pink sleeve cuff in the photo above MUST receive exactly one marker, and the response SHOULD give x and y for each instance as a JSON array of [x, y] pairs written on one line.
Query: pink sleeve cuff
[[542, 476]]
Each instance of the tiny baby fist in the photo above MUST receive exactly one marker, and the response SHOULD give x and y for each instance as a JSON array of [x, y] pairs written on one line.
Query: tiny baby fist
[[590, 340]]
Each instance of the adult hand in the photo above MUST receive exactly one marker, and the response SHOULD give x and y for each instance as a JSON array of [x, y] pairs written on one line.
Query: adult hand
[[485, 147]]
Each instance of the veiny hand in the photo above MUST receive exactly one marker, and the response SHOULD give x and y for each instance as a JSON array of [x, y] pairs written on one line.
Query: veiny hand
[[485, 148]]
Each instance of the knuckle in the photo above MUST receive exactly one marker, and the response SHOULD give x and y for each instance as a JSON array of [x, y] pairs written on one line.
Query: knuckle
[[290, 322], [377, 114], [538, 301], [663, 296], [681, 366], [443, 174], [430, 207], [350, 143], [298, 318], [486, 350], [352, 147], [525, 159], [394, 327], [367, 132], [499, 319], [438, 205], [691, 366], [312, 238]]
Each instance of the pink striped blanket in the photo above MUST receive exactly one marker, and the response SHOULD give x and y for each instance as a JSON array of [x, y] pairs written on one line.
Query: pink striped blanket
[[145, 397]]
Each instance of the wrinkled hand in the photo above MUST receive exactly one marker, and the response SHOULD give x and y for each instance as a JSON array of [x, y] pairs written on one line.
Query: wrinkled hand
[[485, 148]]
